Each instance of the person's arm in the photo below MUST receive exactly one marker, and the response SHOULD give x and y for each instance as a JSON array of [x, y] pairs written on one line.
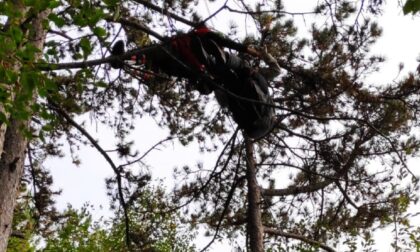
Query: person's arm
[[226, 42], [273, 69], [270, 72]]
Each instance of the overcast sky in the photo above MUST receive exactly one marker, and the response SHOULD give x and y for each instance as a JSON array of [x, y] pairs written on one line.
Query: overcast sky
[[400, 43]]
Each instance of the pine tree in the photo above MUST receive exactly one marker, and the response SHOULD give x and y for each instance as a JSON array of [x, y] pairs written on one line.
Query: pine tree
[[308, 184]]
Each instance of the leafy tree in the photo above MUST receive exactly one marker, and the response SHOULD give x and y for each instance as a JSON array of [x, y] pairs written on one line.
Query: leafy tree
[[155, 228], [22, 238], [23, 36], [331, 126]]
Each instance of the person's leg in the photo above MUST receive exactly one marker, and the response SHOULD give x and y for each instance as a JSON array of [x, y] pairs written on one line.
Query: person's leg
[[117, 50], [236, 63]]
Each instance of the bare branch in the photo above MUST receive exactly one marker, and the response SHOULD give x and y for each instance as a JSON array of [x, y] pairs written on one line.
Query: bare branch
[[108, 159], [166, 12], [213, 172], [60, 33], [18, 234], [226, 205], [270, 11], [137, 26], [91, 63], [345, 195], [216, 12], [294, 190], [277, 232], [147, 152]]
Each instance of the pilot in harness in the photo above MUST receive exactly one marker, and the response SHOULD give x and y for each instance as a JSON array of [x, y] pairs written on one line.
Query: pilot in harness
[[199, 57]]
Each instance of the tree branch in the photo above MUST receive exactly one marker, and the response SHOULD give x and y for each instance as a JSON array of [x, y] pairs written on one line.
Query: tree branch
[[213, 173], [108, 159], [136, 25], [277, 232], [166, 12], [293, 190], [345, 195], [147, 152], [90, 63], [18, 234], [270, 11], [60, 33], [226, 205], [216, 12]]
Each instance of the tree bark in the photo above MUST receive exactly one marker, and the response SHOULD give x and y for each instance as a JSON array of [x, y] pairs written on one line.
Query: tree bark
[[19, 6], [255, 227], [14, 145], [3, 127], [11, 170]]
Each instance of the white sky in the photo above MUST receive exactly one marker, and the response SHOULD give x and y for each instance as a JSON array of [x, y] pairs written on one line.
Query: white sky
[[400, 43]]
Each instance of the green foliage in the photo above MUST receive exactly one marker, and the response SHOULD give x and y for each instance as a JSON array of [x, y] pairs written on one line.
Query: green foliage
[[411, 6], [151, 229], [331, 125], [77, 232], [58, 21], [86, 47], [100, 32], [24, 225]]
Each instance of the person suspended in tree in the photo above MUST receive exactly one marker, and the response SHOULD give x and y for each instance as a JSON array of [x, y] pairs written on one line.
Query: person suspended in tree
[[199, 57]]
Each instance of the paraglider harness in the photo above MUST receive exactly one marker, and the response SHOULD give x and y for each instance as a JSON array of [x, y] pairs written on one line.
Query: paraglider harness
[[237, 86]]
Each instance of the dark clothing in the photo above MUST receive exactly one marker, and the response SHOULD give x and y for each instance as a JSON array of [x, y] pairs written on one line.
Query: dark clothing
[[199, 49], [240, 88], [207, 35], [190, 55], [245, 93]]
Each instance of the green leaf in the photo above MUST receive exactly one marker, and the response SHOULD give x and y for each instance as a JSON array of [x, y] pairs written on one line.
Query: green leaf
[[94, 15], [8, 76], [50, 85], [80, 20], [41, 136], [16, 34], [21, 113], [28, 81], [37, 5], [101, 84], [411, 6], [54, 4], [52, 51], [28, 52], [3, 118], [86, 47], [29, 2], [58, 21], [47, 128], [42, 92], [111, 2], [99, 31]]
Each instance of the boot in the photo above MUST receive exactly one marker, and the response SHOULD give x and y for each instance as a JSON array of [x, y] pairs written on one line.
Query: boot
[[117, 50]]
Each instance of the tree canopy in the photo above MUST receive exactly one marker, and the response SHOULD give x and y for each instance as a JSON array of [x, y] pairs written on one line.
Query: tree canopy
[[331, 172]]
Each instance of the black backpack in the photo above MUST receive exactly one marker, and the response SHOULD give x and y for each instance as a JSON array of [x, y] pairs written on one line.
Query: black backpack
[[245, 94]]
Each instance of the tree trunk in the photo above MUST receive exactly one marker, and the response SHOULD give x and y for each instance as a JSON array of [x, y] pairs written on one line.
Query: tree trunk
[[2, 131], [11, 169], [14, 145], [19, 6], [255, 227]]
